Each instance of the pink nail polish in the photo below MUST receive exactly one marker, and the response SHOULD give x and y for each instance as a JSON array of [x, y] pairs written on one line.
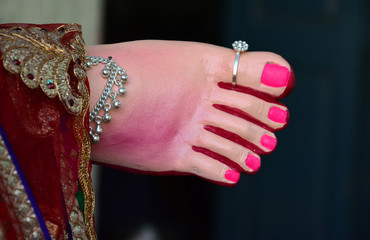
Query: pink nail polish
[[232, 175], [274, 75], [268, 142], [253, 162], [277, 114]]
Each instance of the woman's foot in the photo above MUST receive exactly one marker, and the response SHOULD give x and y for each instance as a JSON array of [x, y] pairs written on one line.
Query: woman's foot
[[181, 114]]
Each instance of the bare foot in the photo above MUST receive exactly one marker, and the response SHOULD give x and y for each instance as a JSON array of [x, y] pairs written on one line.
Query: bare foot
[[180, 113]]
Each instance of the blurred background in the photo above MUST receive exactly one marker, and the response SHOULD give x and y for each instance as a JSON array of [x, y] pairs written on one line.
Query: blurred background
[[316, 185]]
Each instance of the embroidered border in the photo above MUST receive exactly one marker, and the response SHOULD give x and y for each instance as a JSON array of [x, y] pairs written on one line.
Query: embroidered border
[[77, 223], [42, 61], [17, 198], [83, 172]]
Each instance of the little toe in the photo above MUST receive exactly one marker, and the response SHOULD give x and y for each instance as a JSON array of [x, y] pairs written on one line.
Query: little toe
[[270, 115], [228, 152], [211, 169]]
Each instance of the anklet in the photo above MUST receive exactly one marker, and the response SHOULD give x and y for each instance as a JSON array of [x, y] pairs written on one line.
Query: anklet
[[111, 72]]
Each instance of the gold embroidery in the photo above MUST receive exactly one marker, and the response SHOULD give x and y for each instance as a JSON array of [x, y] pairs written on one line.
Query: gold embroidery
[[18, 199], [83, 173], [43, 61], [52, 227], [77, 223]]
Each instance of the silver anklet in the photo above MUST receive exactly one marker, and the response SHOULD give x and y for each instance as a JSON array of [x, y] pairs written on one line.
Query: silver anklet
[[110, 71]]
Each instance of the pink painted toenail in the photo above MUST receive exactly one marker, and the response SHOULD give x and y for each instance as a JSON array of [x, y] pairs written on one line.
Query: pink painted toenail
[[274, 75], [268, 142], [277, 114], [253, 162], [232, 175]]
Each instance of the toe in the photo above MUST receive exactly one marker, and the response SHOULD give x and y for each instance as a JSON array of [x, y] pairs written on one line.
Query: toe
[[270, 115], [211, 169], [239, 130], [264, 72], [227, 152]]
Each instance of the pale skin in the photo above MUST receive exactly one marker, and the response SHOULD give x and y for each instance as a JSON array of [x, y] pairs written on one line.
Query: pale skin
[[171, 92]]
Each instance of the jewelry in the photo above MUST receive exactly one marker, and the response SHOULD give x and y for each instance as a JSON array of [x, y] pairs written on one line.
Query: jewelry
[[111, 72], [239, 47]]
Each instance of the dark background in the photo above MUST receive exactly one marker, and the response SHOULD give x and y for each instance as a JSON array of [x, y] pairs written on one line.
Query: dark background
[[316, 185]]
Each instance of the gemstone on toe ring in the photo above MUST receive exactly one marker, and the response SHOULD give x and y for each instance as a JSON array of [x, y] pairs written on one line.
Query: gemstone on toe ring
[[239, 47]]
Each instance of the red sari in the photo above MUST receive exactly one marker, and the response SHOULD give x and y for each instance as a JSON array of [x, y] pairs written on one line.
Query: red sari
[[45, 186]]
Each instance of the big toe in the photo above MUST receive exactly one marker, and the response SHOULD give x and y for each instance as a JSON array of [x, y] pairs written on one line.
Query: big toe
[[260, 72]]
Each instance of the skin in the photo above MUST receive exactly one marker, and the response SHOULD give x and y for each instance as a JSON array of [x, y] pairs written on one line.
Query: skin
[[170, 100]]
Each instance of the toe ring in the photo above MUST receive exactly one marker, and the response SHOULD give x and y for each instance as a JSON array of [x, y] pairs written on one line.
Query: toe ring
[[239, 47]]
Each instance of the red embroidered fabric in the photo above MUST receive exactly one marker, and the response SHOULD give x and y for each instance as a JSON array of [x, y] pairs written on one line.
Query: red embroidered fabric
[[42, 134]]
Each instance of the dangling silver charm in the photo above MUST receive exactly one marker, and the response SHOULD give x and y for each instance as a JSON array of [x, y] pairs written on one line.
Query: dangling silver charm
[[124, 78], [116, 104], [107, 118], [121, 91], [105, 72], [95, 138], [99, 130]]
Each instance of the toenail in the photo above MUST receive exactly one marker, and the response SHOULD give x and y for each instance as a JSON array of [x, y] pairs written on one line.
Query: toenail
[[277, 114], [253, 162], [268, 142], [274, 75], [232, 175]]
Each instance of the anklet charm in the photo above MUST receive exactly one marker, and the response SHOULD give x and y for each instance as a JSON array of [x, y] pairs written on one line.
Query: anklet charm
[[116, 77]]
